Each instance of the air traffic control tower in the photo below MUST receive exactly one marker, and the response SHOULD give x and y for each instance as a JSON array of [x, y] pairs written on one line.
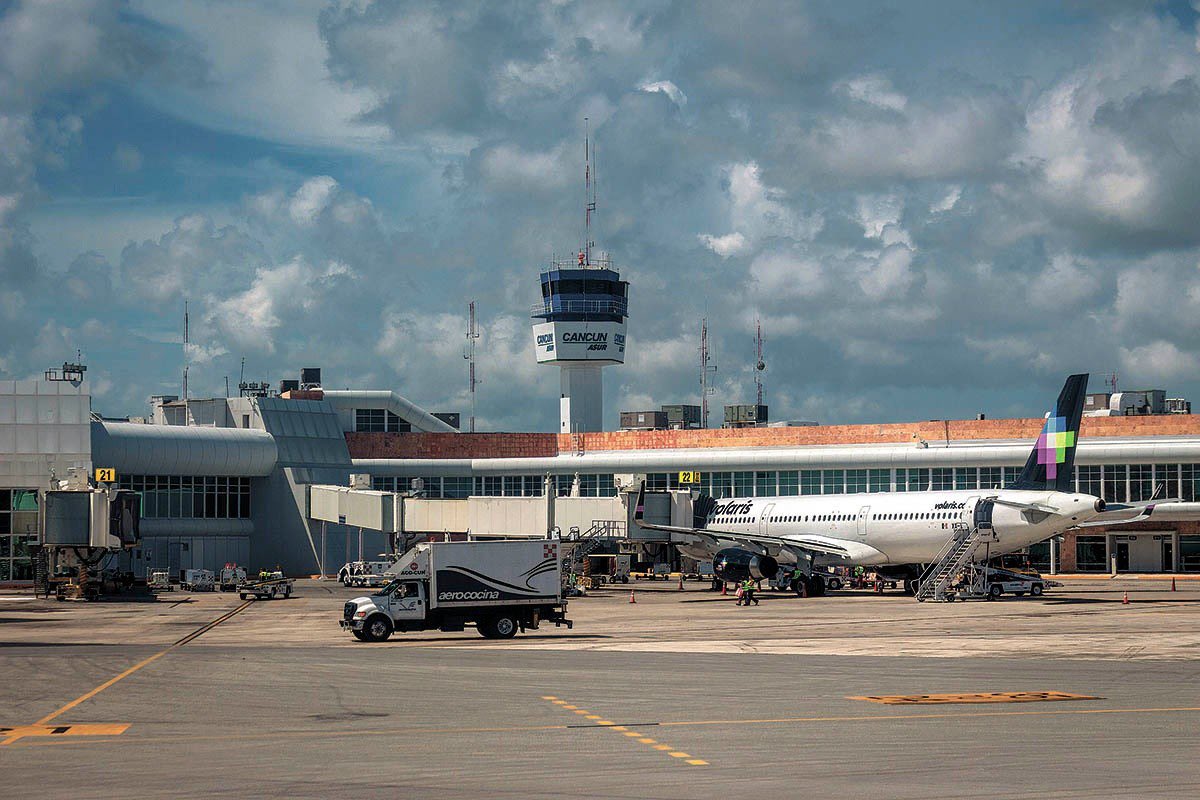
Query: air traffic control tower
[[582, 330]]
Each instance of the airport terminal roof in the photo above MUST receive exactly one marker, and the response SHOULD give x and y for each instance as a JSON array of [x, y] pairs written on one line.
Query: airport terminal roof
[[134, 448]]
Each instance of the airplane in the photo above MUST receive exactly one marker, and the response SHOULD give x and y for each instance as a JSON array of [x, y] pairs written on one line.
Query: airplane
[[896, 533]]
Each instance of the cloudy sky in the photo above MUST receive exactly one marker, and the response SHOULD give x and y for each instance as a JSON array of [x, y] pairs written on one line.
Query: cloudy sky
[[935, 208]]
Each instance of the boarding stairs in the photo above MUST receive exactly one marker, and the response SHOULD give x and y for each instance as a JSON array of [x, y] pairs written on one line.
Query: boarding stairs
[[949, 563], [580, 544]]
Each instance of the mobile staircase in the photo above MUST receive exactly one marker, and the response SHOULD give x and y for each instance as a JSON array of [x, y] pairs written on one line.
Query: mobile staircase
[[950, 562], [579, 545]]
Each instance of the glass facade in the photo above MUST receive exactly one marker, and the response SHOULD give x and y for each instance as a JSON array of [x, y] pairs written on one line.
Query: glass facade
[[379, 420], [190, 497], [1189, 552], [1088, 480], [1090, 553], [18, 533]]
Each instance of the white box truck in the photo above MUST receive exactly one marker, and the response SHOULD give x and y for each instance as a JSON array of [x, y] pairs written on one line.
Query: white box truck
[[499, 586]]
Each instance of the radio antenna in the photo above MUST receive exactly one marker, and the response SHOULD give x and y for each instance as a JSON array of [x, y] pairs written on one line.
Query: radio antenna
[[759, 364], [589, 196], [706, 390], [472, 335], [186, 360]]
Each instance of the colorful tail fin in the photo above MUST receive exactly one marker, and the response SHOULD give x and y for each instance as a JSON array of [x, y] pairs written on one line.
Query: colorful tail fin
[[1051, 465]]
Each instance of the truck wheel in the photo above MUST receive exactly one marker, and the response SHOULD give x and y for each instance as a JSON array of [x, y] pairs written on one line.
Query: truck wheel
[[1036, 590], [244, 596], [484, 626], [995, 590], [504, 626], [816, 586], [287, 592], [377, 629], [835, 583], [359, 635]]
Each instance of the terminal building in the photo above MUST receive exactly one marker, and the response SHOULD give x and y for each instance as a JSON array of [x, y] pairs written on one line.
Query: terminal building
[[229, 479]]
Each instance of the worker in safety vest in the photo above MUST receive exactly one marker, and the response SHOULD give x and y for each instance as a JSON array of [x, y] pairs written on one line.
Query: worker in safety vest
[[748, 593]]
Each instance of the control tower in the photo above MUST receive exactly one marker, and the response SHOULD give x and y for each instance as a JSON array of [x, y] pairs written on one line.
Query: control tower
[[582, 325]]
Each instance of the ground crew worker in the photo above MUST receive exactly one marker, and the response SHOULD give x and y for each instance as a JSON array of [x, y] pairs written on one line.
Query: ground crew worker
[[859, 574], [748, 592]]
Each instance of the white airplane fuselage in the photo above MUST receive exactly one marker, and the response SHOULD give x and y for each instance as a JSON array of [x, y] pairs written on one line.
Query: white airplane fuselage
[[891, 528]]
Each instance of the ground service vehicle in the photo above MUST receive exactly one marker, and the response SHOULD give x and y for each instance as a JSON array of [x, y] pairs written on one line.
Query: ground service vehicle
[[364, 573], [1003, 581], [231, 576], [659, 570], [160, 581], [499, 586], [198, 580], [989, 583], [267, 586]]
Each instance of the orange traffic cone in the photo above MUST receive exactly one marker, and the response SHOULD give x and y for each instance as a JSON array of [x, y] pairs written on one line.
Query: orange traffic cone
[[724, 588], [1125, 599], [632, 599], [681, 582], [1172, 583]]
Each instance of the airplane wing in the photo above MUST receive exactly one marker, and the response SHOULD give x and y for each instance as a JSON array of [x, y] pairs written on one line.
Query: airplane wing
[[1124, 514], [816, 543]]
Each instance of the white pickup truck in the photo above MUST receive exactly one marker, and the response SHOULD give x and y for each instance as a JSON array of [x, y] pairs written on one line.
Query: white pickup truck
[[1001, 582], [989, 583], [499, 586]]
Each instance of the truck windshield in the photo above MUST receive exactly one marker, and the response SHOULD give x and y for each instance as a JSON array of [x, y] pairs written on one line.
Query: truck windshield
[[388, 588]]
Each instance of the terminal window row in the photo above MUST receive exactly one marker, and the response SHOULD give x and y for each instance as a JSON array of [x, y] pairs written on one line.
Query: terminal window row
[[18, 533], [379, 420], [1113, 482], [190, 497]]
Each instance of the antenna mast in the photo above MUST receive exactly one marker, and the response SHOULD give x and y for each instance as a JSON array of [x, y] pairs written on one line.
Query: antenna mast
[[759, 364], [705, 389], [472, 335], [1111, 380], [186, 360], [589, 196]]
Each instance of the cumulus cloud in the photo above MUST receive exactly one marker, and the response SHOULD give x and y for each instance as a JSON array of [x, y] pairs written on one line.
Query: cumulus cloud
[[191, 258], [875, 90], [728, 245], [668, 88], [1159, 362], [250, 318], [756, 211]]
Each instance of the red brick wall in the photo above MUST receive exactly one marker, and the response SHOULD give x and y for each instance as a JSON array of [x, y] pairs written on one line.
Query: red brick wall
[[451, 445], [509, 445]]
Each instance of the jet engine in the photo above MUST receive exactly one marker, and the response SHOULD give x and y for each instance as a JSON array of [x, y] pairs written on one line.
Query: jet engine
[[735, 564]]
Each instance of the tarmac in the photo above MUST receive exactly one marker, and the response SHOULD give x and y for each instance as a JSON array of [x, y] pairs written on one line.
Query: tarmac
[[681, 694]]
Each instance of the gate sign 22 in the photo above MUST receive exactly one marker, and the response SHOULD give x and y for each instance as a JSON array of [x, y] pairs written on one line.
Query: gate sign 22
[[687, 478], [106, 475]]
